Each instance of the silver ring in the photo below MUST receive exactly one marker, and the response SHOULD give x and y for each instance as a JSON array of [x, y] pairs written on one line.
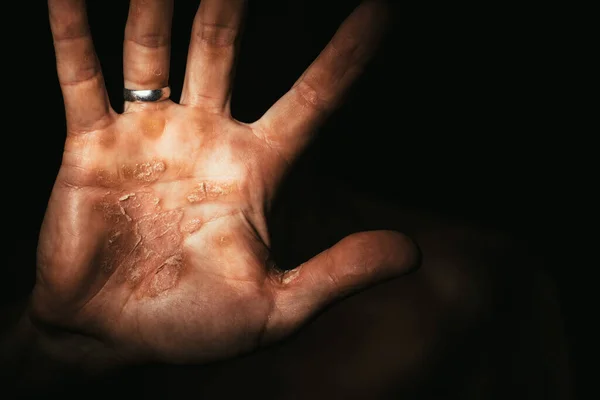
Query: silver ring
[[151, 95]]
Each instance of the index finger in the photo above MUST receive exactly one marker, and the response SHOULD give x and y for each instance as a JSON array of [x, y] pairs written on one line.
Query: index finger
[[290, 123], [86, 103]]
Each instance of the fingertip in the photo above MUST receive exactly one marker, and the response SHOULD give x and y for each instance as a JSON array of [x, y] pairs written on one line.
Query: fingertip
[[408, 252], [389, 252]]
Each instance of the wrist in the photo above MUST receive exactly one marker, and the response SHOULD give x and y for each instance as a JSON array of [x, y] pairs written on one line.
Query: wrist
[[36, 358]]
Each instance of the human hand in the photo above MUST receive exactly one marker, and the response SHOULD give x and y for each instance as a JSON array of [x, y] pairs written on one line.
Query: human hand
[[156, 244]]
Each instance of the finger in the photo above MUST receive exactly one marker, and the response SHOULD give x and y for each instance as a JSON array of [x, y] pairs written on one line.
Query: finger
[[357, 261], [86, 103], [147, 44], [291, 121], [211, 56]]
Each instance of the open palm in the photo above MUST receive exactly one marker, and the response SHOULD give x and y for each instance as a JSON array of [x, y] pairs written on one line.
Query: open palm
[[155, 244]]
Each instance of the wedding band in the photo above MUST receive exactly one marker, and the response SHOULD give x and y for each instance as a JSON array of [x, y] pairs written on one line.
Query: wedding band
[[151, 95]]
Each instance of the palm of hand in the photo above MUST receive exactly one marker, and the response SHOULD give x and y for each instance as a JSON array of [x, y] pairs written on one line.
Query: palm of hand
[[155, 241], [156, 231]]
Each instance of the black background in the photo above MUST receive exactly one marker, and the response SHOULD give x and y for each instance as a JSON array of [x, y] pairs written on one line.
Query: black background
[[460, 113]]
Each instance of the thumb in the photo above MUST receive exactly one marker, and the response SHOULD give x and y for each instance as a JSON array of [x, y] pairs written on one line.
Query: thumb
[[356, 262]]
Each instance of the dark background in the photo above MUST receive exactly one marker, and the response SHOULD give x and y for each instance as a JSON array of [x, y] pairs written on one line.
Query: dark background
[[460, 113]]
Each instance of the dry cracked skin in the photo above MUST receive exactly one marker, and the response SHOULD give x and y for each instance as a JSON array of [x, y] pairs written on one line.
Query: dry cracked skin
[[143, 240], [144, 244]]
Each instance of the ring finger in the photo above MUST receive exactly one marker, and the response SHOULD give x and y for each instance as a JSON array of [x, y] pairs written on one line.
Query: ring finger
[[146, 50]]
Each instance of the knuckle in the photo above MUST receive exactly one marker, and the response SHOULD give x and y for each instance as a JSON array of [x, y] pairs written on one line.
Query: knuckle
[[216, 36], [76, 61], [81, 75], [71, 34], [334, 280], [150, 40], [309, 96], [70, 29], [345, 46], [332, 274]]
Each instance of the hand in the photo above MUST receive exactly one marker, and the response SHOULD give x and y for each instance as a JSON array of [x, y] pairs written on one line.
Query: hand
[[156, 244]]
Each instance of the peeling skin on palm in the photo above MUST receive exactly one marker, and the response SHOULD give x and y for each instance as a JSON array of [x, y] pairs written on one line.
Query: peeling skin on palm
[[207, 191], [144, 244], [146, 172]]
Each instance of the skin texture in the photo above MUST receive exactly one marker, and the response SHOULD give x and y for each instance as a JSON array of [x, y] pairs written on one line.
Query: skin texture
[[156, 244]]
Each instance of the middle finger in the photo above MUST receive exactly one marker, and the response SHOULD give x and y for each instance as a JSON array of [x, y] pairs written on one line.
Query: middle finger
[[146, 50]]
